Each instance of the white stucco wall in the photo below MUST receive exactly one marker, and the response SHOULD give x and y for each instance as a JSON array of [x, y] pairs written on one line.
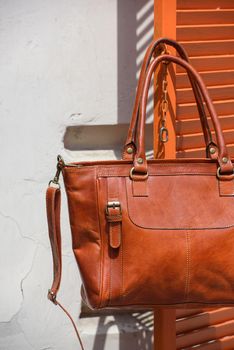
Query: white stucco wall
[[62, 63]]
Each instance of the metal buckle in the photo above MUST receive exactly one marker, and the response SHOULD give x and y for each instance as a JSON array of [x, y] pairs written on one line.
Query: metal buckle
[[60, 165], [113, 205], [51, 296], [53, 182]]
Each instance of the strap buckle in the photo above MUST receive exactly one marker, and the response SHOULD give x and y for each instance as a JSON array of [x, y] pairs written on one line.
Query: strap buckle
[[113, 205]]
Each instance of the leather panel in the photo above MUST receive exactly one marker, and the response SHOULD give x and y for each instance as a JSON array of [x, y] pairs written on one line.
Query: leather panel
[[84, 221], [155, 268], [226, 188], [181, 202], [211, 266]]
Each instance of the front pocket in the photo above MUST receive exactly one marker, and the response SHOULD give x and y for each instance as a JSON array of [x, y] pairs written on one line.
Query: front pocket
[[180, 202]]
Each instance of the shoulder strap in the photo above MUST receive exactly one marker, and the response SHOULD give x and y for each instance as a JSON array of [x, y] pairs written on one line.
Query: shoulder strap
[[53, 206]]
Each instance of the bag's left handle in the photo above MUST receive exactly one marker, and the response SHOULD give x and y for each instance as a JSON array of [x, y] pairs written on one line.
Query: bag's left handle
[[53, 208]]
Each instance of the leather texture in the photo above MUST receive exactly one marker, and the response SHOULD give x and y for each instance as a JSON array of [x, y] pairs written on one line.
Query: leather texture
[[151, 233]]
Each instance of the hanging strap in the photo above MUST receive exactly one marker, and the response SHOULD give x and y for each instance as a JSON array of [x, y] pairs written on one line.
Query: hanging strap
[[53, 206]]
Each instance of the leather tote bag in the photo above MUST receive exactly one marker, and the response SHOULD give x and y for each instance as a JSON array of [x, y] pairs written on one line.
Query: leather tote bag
[[155, 233]]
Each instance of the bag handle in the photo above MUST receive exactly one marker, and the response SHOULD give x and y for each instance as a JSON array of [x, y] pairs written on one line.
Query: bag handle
[[130, 147], [139, 172]]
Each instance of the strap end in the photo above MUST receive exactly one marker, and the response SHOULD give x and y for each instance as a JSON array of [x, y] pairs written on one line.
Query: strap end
[[52, 296]]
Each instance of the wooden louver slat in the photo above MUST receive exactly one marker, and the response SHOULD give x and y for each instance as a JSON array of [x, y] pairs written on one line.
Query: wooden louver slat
[[204, 17], [204, 4], [201, 32], [189, 110], [215, 78], [189, 126], [204, 319], [206, 48], [195, 140], [211, 63], [225, 92]]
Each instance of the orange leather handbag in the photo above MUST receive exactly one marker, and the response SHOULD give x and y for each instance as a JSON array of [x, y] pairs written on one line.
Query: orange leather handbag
[[156, 233]]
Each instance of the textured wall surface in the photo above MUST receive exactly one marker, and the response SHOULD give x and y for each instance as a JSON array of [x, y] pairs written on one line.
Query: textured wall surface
[[63, 64]]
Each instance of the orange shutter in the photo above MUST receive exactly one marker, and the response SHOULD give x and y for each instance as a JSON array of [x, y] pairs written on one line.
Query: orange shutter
[[206, 30], [205, 330]]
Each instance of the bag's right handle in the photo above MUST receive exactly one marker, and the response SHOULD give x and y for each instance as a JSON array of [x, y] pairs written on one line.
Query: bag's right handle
[[140, 164], [129, 147]]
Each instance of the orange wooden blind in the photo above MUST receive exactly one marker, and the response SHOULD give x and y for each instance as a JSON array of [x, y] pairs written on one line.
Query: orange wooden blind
[[206, 29], [205, 329]]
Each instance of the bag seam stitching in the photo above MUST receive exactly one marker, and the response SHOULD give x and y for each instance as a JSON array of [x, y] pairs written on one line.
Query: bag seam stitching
[[101, 244], [188, 261]]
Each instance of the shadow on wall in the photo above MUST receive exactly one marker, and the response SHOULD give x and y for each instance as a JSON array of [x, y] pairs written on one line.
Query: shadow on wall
[[109, 137], [135, 32], [140, 325]]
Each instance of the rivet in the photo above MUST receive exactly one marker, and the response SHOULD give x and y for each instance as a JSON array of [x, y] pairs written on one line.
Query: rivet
[[129, 150], [224, 160], [139, 160], [212, 150]]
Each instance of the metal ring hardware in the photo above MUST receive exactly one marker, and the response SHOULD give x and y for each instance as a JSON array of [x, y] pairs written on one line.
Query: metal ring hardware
[[218, 173], [60, 165], [56, 183], [164, 106], [133, 176], [163, 134], [220, 176], [51, 296]]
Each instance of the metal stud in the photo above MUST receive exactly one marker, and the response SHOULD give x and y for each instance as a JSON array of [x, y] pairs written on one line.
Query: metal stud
[[212, 150], [129, 150], [224, 160], [139, 160]]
